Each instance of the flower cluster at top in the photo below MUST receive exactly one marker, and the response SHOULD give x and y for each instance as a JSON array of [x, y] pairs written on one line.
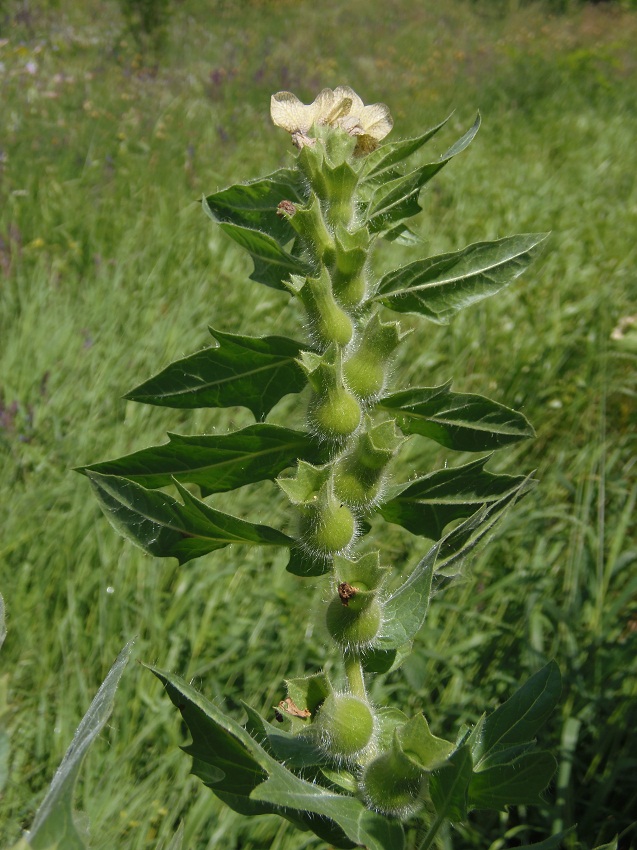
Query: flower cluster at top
[[341, 108]]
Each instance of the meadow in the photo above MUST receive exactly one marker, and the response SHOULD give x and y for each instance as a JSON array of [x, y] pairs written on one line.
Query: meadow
[[109, 270]]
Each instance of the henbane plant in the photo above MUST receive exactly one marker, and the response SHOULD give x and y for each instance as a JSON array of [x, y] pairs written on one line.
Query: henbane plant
[[326, 757]]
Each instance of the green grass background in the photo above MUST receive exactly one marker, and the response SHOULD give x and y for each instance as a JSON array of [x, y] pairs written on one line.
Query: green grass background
[[109, 270]]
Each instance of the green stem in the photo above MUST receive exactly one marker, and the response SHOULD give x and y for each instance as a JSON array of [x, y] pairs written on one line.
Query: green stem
[[432, 832], [354, 673]]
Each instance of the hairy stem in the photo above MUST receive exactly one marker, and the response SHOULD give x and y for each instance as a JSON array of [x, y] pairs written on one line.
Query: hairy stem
[[354, 673]]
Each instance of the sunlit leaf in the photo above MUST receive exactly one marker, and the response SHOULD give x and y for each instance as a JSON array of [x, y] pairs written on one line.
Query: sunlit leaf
[[465, 538], [391, 153], [254, 204], [439, 287], [163, 527], [245, 776], [460, 421], [54, 824], [398, 199], [217, 463], [406, 609], [244, 371], [272, 263], [427, 504]]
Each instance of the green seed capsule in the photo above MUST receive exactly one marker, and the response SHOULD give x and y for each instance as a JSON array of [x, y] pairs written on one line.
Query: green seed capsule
[[392, 785], [364, 375], [336, 415], [356, 624], [355, 490], [329, 529], [346, 725]]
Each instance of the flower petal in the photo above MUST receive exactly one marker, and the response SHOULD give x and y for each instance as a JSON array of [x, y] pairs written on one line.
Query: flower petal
[[376, 120], [290, 114]]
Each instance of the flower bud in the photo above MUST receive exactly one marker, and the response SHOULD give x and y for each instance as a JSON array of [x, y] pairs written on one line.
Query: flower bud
[[345, 724]]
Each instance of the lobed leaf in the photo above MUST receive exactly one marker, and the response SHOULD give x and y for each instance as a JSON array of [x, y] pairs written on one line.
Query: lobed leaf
[[406, 609], [555, 841], [54, 825], [217, 463], [448, 786], [163, 527], [460, 421], [438, 287], [397, 199], [243, 371], [305, 564], [254, 204], [426, 505], [245, 776], [466, 537], [520, 782], [388, 155], [517, 720], [272, 263]]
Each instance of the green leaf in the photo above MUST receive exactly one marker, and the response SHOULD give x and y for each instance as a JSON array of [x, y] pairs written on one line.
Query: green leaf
[[518, 719], [244, 775], [406, 609], [460, 421], [466, 537], [217, 463], [521, 782], [421, 746], [612, 845], [398, 199], [295, 751], [449, 785], [272, 263], [439, 287], [555, 841], [254, 204], [163, 527], [53, 824], [427, 504], [303, 563], [388, 155], [243, 371]]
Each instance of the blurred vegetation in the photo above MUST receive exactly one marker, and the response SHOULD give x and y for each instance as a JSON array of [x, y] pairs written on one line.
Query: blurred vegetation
[[108, 270]]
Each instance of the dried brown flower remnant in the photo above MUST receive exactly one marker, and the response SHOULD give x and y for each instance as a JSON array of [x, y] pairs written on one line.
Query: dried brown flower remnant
[[287, 705], [341, 108], [285, 208], [346, 592]]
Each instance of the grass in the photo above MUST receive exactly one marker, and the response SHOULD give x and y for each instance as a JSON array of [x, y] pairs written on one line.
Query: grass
[[108, 271]]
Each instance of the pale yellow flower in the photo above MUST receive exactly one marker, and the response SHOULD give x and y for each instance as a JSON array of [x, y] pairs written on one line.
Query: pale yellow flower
[[340, 107]]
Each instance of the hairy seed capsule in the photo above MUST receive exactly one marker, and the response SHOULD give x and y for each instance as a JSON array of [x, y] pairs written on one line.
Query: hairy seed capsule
[[346, 725], [392, 785], [356, 624], [337, 415], [330, 529], [353, 490], [364, 376]]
